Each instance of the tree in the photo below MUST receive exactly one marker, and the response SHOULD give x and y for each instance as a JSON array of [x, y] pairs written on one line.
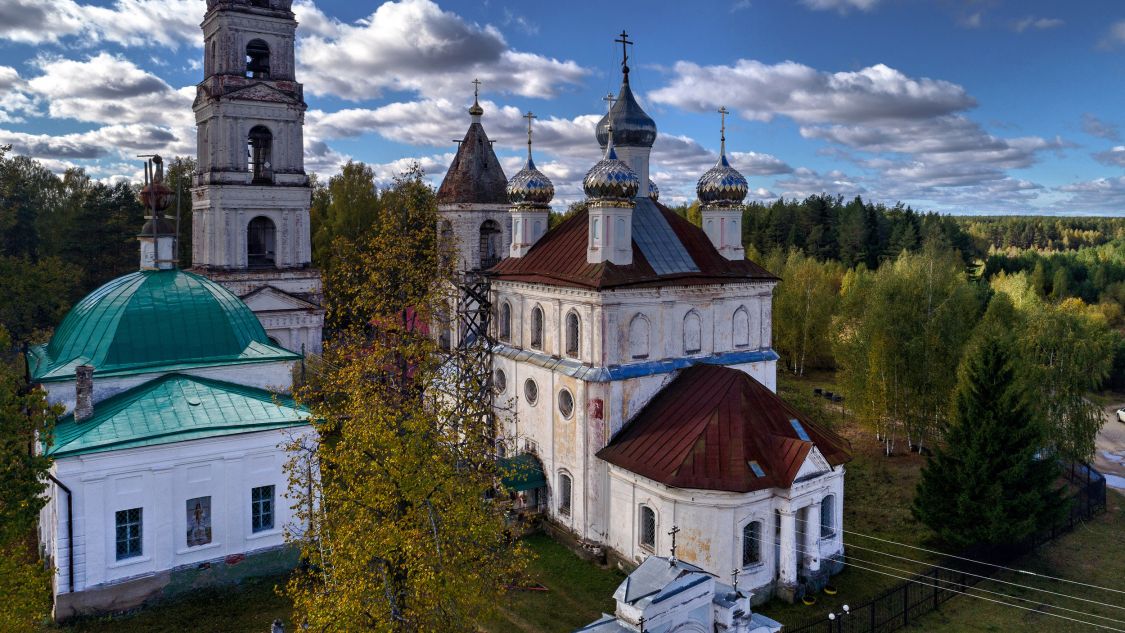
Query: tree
[[804, 304], [37, 294], [25, 418], [352, 209], [402, 533], [989, 483]]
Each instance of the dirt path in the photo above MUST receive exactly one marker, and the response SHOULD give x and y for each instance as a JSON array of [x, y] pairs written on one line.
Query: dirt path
[[1109, 456]]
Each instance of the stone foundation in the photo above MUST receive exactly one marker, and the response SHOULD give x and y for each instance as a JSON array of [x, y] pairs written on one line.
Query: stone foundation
[[135, 592]]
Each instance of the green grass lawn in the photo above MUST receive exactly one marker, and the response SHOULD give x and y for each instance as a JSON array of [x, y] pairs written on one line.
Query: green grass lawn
[[249, 607]]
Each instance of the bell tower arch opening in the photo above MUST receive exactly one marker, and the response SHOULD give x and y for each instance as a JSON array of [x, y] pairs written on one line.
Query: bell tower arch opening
[[261, 243], [259, 151], [258, 59]]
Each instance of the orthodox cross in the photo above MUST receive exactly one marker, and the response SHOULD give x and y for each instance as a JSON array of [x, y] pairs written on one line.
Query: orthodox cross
[[476, 89], [723, 127], [610, 98], [529, 116], [674, 531], [734, 580], [642, 623], [624, 42]]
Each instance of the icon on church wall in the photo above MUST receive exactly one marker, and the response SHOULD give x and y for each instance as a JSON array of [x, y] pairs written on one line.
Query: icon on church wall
[[198, 521]]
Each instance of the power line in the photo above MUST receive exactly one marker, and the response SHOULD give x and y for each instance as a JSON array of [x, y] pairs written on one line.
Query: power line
[[1009, 604]]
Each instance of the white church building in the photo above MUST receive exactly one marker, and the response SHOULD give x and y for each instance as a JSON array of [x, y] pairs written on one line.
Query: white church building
[[169, 459], [633, 359]]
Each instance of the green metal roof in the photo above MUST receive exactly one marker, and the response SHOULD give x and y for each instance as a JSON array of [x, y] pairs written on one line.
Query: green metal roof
[[154, 320], [522, 472], [174, 408]]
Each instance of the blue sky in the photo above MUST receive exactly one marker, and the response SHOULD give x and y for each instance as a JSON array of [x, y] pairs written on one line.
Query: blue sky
[[964, 106]]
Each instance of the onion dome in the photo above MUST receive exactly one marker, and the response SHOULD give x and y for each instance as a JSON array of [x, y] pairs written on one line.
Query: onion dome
[[475, 109], [155, 196], [154, 321], [611, 178], [530, 187], [722, 185], [653, 191], [632, 127]]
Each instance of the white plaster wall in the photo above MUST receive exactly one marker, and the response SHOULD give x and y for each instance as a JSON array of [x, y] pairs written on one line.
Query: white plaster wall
[[711, 522], [160, 480], [466, 220], [274, 376]]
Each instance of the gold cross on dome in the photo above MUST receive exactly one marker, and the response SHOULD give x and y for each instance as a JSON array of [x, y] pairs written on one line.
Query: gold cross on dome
[[476, 89], [529, 116], [624, 42]]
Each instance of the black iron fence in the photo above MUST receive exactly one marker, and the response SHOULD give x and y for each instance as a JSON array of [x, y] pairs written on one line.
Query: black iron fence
[[898, 606]]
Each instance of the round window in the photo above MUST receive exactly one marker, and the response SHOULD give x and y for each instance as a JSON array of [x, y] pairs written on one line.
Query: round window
[[566, 403], [531, 391], [500, 381]]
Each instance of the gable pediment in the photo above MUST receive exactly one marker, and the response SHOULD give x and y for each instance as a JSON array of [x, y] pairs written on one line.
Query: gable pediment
[[814, 465], [261, 92], [270, 299]]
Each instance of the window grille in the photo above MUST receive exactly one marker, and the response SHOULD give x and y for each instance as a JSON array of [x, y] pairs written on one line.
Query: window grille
[[261, 508], [128, 527]]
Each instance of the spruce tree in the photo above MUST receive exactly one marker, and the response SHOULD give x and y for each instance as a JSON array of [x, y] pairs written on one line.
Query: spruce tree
[[990, 483]]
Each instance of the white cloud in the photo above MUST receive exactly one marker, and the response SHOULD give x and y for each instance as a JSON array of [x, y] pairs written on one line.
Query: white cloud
[[1035, 24], [1102, 195], [1115, 36], [1114, 156], [125, 22], [761, 91], [414, 45], [842, 6], [15, 100], [1094, 126]]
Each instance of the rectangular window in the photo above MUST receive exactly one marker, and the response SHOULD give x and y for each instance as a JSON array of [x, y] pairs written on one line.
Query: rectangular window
[[261, 509], [751, 543], [128, 524], [564, 495], [198, 521]]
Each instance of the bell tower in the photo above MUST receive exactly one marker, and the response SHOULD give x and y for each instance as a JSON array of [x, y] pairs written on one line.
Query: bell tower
[[251, 196]]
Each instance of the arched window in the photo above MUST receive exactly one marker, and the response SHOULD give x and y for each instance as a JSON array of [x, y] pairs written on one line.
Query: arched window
[[572, 333], [505, 321], [259, 152], [647, 532], [258, 60], [537, 327], [827, 516], [752, 543], [489, 244], [213, 68], [261, 238], [741, 333], [564, 494], [693, 330], [638, 337]]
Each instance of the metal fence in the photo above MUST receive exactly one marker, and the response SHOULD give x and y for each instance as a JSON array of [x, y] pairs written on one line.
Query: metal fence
[[898, 606]]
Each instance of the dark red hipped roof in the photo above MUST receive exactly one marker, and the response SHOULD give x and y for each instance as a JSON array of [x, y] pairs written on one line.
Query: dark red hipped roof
[[707, 425], [559, 258]]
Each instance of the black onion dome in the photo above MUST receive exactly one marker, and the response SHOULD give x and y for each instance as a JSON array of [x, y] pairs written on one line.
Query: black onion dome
[[530, 186], [722, 184], [611, 178], [632, 127]]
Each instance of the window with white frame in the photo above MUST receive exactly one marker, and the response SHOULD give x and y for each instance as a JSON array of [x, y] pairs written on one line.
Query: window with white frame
[[564, 494], [752, 543], [537, 327], [827, 516], [128, 525], [261, 509], [647, 533]]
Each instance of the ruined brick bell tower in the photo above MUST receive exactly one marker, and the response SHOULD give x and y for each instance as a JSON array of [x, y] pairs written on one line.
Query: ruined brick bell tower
[[250, 200]]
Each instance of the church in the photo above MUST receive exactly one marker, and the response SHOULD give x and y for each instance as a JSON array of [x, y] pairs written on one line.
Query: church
[[168, 470], [632, 359]]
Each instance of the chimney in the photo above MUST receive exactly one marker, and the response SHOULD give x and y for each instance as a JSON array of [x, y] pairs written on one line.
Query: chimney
[[83, 392]]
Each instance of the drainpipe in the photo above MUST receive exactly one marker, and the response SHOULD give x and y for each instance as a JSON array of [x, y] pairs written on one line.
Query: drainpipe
[[69, 532]]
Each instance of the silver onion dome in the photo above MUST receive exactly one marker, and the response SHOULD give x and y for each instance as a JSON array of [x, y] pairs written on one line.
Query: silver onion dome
[[653, 191], [722, 184], [611, 178], [530, 187], [632, 126]]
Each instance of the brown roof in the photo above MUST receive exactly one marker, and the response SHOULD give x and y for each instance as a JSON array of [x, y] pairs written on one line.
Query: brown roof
[[475, 176], [707, 425], [559, 258]]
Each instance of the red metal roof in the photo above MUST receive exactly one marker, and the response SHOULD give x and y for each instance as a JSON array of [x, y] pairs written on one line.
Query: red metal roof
[[559, 258], [707, 425]]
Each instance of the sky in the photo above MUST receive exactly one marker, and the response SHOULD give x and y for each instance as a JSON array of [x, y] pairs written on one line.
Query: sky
[[958, 106]]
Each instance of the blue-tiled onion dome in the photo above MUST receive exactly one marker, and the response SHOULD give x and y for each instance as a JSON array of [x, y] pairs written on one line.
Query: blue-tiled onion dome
[[722, 184], [611, 178], [653, 190], [530, 187]]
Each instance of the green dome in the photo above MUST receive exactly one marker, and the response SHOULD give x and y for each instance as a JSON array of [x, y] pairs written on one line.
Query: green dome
[[154, 320]]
